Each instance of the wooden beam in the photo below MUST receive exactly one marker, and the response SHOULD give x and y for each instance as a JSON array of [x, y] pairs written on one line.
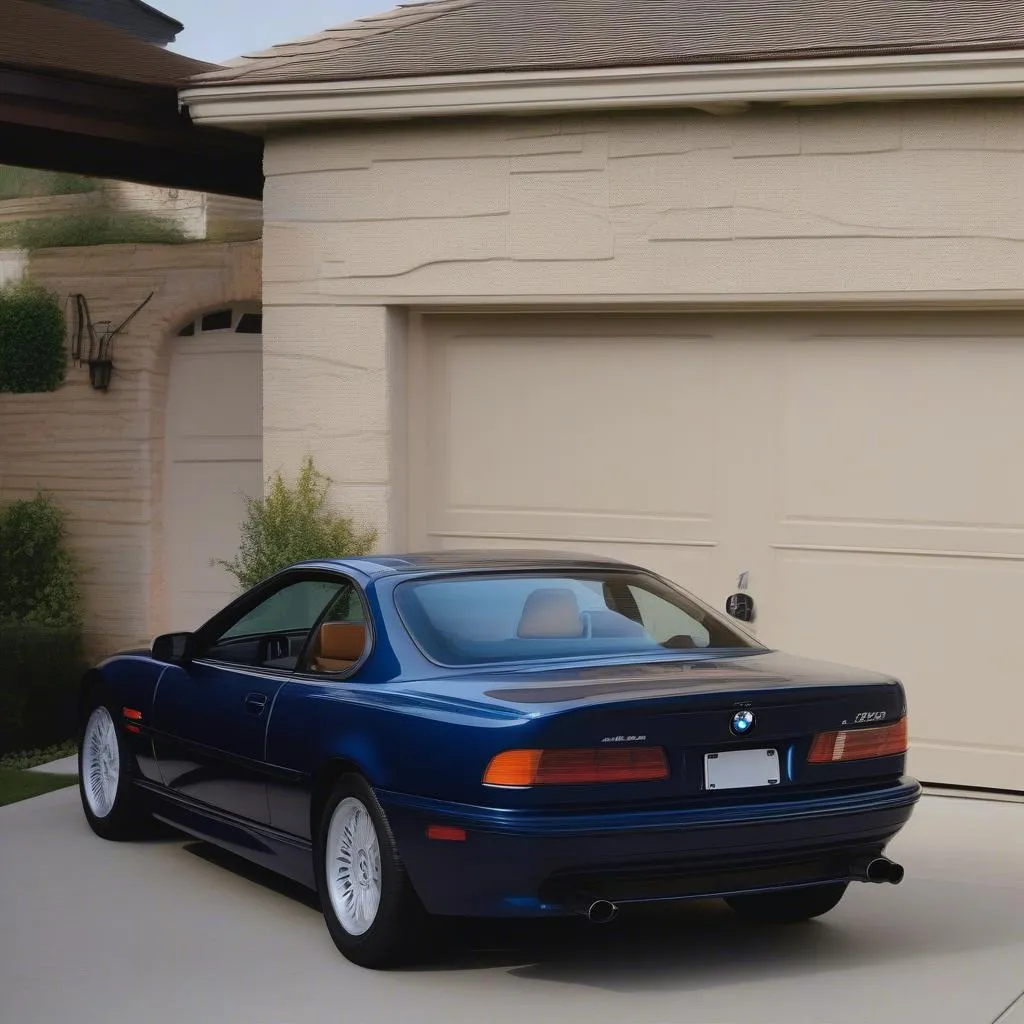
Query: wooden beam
[[120, 131]]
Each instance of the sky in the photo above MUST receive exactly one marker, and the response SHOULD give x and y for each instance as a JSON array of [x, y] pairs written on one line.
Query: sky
[[217, 30]]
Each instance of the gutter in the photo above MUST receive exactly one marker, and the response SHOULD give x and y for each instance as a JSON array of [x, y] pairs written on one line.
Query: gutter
[[716, 88]]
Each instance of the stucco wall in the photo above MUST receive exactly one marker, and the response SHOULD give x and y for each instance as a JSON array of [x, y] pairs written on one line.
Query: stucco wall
[[880, 202], [100, 453]]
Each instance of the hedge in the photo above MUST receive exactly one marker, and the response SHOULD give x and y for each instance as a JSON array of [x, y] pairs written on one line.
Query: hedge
[[32, 354], [40, 669]]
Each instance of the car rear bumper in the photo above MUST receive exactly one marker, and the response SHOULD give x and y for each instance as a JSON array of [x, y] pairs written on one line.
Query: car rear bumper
[[529, 863]]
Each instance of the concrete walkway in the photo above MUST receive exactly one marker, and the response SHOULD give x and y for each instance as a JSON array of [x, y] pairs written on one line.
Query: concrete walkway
[[169, 932]]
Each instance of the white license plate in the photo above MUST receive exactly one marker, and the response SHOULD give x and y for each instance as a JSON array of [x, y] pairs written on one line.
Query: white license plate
[[741, 769]]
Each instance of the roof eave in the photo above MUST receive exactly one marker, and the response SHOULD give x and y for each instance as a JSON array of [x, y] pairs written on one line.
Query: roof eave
[[719, 88]]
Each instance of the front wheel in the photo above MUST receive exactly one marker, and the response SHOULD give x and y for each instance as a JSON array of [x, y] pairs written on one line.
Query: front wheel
[[372, 912], [105, 774], [789, 905]]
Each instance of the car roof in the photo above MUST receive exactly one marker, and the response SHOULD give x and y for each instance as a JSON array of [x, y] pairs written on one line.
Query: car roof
[[462, 560]]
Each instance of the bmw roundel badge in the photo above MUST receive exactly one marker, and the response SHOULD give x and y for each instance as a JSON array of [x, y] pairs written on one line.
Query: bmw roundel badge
[[742, 723]]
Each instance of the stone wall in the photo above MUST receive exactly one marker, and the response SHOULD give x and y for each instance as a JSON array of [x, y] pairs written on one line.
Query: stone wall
[[100, 454]]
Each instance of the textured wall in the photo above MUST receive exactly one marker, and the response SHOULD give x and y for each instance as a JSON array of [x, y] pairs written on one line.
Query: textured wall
[[903, 201], [101, 454]]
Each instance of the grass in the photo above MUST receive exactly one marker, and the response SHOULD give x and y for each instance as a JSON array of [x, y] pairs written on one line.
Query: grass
[[17, 785], [98, 227], [24, 182]]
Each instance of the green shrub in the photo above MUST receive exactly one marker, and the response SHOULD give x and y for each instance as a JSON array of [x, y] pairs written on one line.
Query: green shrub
[[32, 354], [294, 524], [38, 577], [22, 759], [94, 227], [40, 668], [19, 182]]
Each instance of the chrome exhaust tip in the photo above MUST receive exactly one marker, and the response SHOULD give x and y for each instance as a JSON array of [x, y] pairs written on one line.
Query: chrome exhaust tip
[[878, 870], [601, 912]]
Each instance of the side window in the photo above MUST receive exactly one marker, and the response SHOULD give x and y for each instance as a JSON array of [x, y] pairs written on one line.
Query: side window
[[292, 608], [272, 634], [342, 637], [665, 621]]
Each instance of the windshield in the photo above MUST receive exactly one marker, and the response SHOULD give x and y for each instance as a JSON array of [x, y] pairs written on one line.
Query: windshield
[[511, 617]]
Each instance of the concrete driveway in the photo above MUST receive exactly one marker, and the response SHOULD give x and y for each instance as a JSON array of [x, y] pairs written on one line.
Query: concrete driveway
[[171, 932]]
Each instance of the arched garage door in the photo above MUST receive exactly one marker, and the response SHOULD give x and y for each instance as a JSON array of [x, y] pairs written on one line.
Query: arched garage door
[[864, 474], [213, 457]]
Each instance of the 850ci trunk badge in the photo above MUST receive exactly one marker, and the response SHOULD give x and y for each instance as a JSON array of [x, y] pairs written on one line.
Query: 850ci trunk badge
[[742, 723]]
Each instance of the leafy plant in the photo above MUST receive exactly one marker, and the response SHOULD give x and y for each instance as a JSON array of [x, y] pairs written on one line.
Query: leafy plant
[[38, 576], [21, 182], [32, 354], [42, 666], [22, 759], [294, 524], [95, 227]]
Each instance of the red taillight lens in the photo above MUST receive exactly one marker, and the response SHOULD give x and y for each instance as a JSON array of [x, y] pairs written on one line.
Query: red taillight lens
[[577, 766], [859, 744]]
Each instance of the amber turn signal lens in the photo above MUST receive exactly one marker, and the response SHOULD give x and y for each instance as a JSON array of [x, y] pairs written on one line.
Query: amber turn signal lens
[[859, 744], [573, 767]]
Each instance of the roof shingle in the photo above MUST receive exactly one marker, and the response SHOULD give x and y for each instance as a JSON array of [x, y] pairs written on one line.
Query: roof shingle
[[39, 38], [451, 37]]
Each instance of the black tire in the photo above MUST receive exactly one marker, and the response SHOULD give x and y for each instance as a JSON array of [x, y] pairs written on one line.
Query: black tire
[[399, 925], [789, 905], [127, 817]]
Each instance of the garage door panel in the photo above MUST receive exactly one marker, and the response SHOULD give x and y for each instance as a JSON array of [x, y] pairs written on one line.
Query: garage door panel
[[859, 473], [687, 565], [945, 626], [551, 423], [904, 430]]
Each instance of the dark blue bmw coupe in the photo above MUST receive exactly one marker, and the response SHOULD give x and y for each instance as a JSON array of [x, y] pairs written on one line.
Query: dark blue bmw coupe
[[500, 734]]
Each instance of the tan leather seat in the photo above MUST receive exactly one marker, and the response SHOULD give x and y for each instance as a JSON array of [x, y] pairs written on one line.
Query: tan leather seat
[[340, 646], [551, 612]]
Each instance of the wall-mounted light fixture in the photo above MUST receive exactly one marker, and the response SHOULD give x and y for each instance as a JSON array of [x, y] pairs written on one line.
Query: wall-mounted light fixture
[[99, 355]]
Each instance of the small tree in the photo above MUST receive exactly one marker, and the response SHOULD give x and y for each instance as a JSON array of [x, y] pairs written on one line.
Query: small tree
[[293, 524]]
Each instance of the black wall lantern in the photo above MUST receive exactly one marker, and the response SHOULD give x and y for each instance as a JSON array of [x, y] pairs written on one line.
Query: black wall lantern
[[99, 355]]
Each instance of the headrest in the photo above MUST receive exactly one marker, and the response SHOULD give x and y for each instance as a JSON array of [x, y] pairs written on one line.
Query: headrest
[[342, 641], [551, 612]]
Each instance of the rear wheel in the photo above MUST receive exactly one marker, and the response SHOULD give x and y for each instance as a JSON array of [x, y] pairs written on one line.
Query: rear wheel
[[789, 905], [374, 916], [106, 771]]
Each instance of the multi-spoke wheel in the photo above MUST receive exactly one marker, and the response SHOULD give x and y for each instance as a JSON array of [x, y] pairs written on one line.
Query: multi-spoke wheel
[[105, 773], [371, 910]]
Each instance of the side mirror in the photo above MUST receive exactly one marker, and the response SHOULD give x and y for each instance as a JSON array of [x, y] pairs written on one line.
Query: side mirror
[[741, 606], [175, 648]]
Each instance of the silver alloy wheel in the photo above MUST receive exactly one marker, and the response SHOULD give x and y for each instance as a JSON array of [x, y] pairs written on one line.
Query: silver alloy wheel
[[101, 762], [352, 863]]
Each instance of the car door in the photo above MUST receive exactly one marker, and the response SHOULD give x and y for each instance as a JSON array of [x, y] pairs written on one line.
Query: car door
[[210, 715]]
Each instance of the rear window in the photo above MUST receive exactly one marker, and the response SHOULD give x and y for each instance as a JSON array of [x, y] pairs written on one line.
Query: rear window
[[496, 618]]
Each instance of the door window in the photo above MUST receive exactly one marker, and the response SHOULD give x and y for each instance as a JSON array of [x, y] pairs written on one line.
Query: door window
[[272, 633]]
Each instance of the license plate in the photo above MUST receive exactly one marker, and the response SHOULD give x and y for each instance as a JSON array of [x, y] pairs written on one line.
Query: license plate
[[741, 769]]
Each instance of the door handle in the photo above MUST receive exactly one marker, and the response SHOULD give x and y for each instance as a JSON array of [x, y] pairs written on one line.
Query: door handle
[[255, 703]]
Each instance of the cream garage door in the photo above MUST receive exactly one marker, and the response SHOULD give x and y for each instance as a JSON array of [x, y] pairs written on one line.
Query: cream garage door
[[213, 458], [864, 471]]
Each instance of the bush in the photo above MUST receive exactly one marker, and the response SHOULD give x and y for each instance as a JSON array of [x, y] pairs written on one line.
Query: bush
[[38, 577], [96, 227], [40, 668], [32, 354], [19, 182], [294, 524]]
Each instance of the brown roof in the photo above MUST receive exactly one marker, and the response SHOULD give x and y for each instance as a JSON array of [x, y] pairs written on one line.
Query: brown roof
[[39, 38], [445, 37]]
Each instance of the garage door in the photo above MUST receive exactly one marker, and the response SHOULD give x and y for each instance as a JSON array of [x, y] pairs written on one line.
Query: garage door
[[213, 458], [864, 473]]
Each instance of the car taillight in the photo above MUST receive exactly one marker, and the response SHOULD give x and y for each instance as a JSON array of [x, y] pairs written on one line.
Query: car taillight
[[859, 744], [573, 767]]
